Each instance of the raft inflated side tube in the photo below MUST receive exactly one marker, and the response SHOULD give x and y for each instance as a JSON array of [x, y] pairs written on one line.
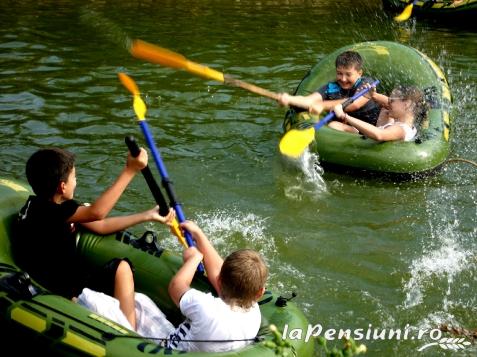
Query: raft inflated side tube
[[35, 321], [393, 64], [442, 9]]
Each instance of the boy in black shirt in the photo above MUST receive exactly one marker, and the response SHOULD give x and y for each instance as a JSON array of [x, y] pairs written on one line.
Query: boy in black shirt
[[46, 226]]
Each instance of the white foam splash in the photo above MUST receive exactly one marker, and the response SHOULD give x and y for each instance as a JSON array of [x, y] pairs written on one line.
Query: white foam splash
[[230, 229], [445, 262], [311, 180]]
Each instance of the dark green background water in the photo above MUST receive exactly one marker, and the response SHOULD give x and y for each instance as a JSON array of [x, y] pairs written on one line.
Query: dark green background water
[[357, 250]]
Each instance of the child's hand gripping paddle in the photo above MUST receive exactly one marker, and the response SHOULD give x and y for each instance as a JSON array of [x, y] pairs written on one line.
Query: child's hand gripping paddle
[[140, 110], [155, 190], [295, 141]]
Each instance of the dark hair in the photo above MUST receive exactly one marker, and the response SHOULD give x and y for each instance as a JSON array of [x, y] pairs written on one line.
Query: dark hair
[[416, 96], [46, 168], [349, 59], [242, 276]]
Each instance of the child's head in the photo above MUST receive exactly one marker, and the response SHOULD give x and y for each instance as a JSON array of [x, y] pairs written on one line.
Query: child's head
[[349, 68], [405, 99], [47, 169], [242, 278]]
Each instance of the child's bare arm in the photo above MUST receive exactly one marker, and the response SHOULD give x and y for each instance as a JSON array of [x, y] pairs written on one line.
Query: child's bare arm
[[358, 103], [212, 260], [104, 203], [181, 281], [114, 224], [393, 132], [306, 102]]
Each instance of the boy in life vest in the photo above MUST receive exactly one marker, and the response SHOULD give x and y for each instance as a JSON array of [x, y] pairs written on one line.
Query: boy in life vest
[[45, 241], [349, 80]]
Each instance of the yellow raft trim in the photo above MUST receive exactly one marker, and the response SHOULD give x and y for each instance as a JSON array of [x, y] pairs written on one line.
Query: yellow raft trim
[[28, 319], [108, 323], [14, 186], [83, 344]]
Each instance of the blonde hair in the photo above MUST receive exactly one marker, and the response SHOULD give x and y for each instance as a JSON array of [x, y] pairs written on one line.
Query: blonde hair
[[242, 277]]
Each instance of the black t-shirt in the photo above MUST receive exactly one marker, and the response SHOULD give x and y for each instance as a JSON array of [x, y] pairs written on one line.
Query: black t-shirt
[[44, 244], [368, 112]]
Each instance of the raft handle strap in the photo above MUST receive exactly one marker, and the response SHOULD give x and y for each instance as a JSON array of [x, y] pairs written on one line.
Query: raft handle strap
[[19, 285], [282, 301]]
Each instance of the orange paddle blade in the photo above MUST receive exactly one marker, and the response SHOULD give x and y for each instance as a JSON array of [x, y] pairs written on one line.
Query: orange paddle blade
[[155, 54], [129, 83]]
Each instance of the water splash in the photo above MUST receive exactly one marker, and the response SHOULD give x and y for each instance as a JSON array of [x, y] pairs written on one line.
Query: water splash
[[310, 180], [230, 229], [445, 263], [224, 223]]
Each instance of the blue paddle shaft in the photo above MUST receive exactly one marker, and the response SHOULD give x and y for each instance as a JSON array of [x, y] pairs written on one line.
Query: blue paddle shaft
[[347, 102], [166, 183]]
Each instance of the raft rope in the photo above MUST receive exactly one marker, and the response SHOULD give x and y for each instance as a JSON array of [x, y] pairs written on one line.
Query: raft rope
[[111, 336], [459, 331], [459, 159]]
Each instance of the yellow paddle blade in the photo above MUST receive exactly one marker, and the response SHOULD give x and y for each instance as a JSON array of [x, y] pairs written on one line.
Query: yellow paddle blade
[[294, 142], [155, 54], [175, 229], [139, 107], [128, 83], [406, 14]]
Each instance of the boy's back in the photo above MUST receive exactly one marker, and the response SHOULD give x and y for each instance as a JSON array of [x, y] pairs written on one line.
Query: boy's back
[[233, 317], [210, 318], [44, 239]]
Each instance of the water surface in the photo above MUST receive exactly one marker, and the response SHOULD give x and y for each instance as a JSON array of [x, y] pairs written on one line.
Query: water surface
[[356, 250]]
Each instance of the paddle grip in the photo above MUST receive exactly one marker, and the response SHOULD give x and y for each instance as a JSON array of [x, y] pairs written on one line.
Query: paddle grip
[[151, 182], [346, 103]]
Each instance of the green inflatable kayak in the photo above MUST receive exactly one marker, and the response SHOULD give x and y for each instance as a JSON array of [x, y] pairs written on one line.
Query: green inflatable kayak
[[392, 64], [36, 321], [437, 8]]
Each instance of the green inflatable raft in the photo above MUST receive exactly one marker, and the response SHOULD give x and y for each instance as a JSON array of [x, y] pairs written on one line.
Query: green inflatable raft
[[36, 321], [392, 64], [441, 9]]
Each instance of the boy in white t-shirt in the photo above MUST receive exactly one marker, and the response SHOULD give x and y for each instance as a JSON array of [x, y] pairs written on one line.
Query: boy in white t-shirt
[[234, 316]]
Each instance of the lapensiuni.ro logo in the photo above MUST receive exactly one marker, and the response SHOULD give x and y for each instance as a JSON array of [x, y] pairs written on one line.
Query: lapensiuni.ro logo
[[374, 333]]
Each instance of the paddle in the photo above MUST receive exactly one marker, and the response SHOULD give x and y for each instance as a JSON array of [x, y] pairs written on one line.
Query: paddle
[[155, 54], [295, 141], [140, 110], [406, 14], [155, 190]]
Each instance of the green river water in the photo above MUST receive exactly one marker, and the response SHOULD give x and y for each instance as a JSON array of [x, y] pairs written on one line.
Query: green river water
[[360, 252]]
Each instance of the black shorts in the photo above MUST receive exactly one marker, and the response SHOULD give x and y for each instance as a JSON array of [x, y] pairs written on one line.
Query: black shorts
[[103, 279]]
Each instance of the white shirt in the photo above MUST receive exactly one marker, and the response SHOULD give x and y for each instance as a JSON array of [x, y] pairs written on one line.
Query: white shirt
[[410, 132], [210, 318]]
